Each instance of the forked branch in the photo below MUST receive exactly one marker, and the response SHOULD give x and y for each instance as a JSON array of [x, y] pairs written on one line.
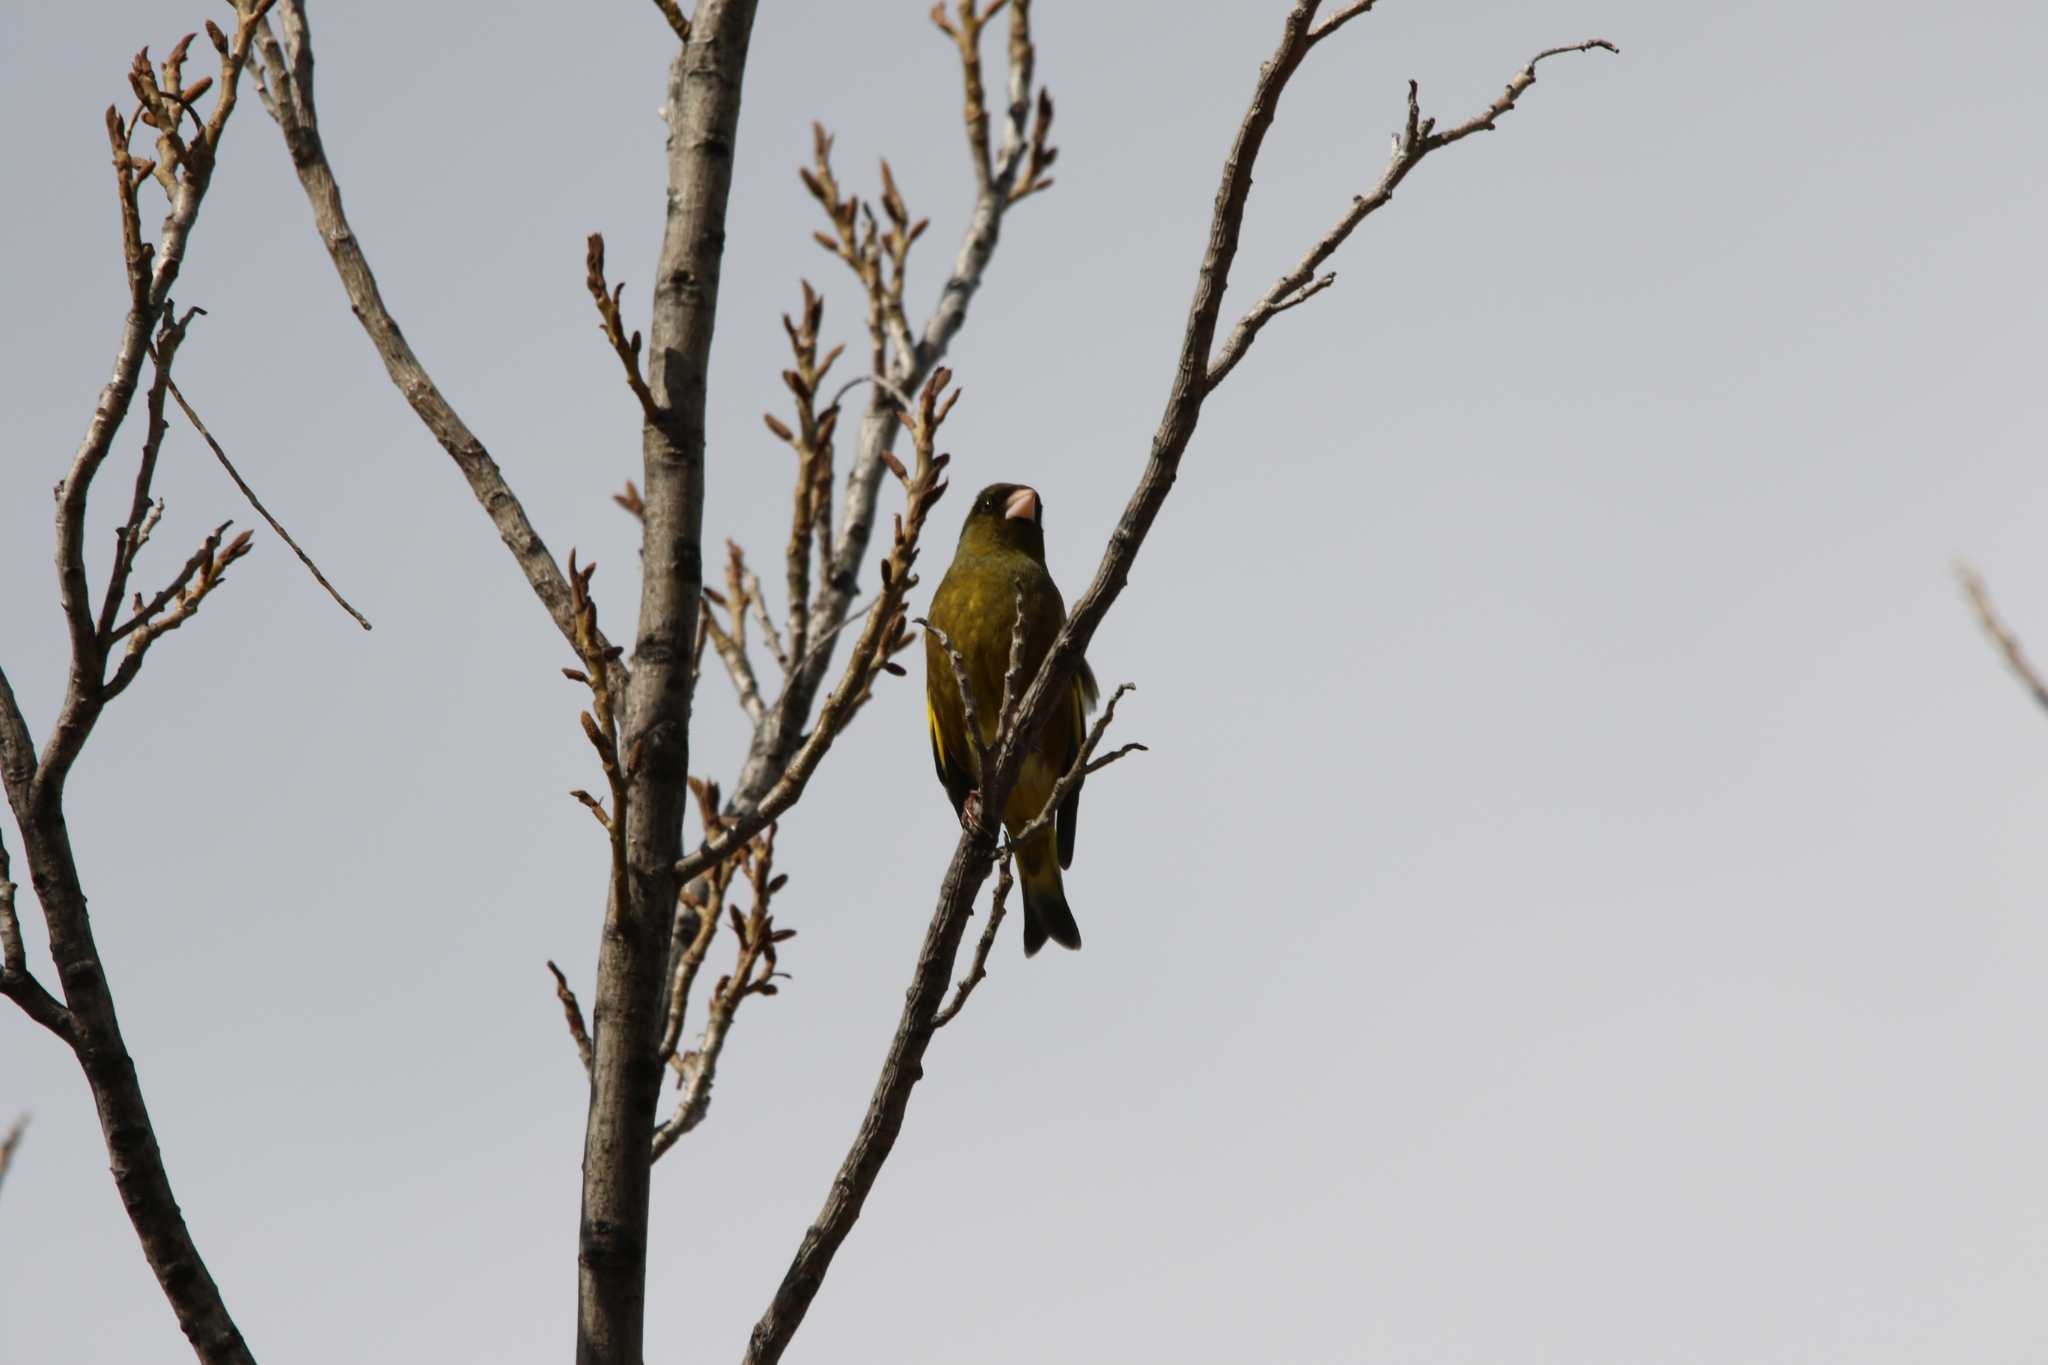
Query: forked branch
[[285, 85], [975, 852], [1417, 138], [901, 360], [880, 640], [977, 970], [754, 973]]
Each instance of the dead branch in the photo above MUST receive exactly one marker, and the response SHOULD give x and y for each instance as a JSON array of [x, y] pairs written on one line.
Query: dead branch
[[257, 503]]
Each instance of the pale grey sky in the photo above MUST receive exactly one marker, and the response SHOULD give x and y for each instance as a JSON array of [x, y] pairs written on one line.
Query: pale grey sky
[[1584, 899]]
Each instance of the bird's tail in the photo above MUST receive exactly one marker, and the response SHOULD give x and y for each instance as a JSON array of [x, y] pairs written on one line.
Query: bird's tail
[[1046, 915]]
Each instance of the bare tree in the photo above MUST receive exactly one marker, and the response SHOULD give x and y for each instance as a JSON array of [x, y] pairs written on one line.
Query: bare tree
[[667, 904]]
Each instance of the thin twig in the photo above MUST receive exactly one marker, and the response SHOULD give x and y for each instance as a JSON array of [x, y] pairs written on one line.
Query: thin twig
[[889, 391], [1013, 673], [257, 503], [1338, 20], [143, 513], [1416, 140], [685, 975], [768, 630], [573, 1014], [882, 635], [9, 1143], [677, 22], [1080, 768], [205, 571], [738, 667], [978, 969], [613, 326], [2001, 634], [754, 973]]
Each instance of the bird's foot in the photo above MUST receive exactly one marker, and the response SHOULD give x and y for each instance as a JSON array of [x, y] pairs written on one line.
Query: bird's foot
[[970, 810]]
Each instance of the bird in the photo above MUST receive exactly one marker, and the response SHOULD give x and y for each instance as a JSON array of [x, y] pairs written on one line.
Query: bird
[[998, 566]]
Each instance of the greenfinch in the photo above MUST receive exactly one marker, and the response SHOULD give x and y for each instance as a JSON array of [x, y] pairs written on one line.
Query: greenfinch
[[1000, 565]]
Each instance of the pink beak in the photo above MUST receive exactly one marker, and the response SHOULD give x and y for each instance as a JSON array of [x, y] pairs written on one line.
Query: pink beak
[[1023, 503]]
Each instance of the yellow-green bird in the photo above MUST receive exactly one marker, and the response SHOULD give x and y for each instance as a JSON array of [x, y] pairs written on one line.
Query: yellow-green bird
[[1000, 560]]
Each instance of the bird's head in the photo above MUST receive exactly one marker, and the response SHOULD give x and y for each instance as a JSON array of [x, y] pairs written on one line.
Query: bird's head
[[1006, 516]]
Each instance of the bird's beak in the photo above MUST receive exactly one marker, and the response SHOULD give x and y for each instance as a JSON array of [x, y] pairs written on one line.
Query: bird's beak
[[1023, 503]]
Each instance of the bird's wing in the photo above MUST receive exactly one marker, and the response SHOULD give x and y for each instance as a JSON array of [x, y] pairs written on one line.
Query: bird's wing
[[946, 757]]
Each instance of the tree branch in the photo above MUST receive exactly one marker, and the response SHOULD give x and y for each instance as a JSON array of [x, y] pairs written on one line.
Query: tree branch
[[205, 571], [976, 849], [2000, 633], [882, 636], [185, 170], [286, 89], [1417, 139], [1081, 767], [17, 983], [977, 971], [773, 747], [35, 784], [8, 1145], [257, 503], [572, 1014], [142, 512], [703, 108], [753, 973], [613, 326]]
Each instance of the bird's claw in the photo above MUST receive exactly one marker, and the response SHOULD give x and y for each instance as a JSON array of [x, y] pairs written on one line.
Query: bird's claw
[[970, 810]]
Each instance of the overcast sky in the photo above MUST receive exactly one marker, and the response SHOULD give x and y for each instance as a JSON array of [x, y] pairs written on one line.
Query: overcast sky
[[1584, 900]]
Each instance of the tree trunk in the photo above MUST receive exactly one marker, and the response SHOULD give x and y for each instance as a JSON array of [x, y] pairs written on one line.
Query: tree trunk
[[703, 120]]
